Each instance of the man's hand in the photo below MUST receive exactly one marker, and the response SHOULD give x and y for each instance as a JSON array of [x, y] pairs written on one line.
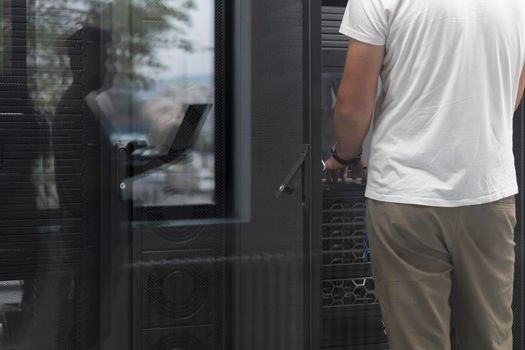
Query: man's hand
[[335, 171]]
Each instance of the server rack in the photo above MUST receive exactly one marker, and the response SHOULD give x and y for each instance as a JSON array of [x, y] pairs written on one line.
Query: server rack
[[179, 288], [351, 317], [48, 292]]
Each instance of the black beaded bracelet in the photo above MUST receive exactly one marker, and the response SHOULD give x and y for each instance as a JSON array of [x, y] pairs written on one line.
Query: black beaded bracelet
[[348, 162]]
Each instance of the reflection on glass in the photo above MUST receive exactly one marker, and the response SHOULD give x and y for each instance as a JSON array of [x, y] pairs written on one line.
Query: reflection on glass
[[36, 313], [167, 74], [5, 30], [84, 76], [150, 71]]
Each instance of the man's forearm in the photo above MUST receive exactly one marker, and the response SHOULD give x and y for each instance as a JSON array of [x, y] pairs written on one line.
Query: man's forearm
[[351, 129]]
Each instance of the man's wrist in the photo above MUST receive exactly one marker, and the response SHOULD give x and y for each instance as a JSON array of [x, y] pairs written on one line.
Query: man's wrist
[[347, 151], [352, 161]]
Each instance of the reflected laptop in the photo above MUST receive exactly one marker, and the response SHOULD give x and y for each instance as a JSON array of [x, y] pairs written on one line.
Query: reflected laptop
[[183, 136]]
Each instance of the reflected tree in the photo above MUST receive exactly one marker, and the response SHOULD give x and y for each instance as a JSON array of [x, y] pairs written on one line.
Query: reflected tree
[[139, 27], [149, 25]]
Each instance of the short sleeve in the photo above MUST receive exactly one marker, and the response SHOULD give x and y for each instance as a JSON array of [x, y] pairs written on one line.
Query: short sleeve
[[366, 21]]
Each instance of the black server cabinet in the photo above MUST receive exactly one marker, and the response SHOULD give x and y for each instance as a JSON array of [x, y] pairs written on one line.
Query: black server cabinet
[[179, 290], [350, 313], [268, 298], [49, 264]]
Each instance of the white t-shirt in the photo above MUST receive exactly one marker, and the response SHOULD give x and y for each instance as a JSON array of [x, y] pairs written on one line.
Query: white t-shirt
[[442, 130]]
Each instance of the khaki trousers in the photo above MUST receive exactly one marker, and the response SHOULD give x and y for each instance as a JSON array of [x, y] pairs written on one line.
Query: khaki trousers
[[420, 254]]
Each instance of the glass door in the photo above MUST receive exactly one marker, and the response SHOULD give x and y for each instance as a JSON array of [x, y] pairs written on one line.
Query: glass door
[[151, 174]]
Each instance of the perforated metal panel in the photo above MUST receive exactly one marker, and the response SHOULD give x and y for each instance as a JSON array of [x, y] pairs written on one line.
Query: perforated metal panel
[[331, 17], [179, 285], [188, 338], [45, 223], [351, 314], [333, 44], [38, 230], [344, 231], [180, 288]]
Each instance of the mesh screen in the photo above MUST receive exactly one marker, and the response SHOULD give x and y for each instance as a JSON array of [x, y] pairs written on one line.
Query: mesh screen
[[37, 313]]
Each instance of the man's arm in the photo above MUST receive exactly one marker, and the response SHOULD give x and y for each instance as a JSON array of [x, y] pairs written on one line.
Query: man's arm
[[356, 97], [520, 89]]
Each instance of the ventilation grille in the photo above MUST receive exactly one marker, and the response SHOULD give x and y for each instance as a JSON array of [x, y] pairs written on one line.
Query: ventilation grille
[[177, 293], [331, 17], [179, 288], [42, 209], [269, 282], [344, 231], [362, 328], [345, 245], [37, 314], [187, 338], [351, 313], [351, 291], [161, 238], [43, 203]]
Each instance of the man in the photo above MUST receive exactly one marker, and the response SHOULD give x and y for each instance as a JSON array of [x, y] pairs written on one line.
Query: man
[[441, 176]]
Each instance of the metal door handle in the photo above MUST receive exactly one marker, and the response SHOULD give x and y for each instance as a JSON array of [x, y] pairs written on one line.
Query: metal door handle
[[285, 185]]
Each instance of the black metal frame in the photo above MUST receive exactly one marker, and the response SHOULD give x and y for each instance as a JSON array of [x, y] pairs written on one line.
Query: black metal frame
[[519, 233], [313, 175], [224, 128]]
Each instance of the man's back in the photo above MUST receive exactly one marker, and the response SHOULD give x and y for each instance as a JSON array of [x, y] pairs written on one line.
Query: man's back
[[443, 124], [442, 139]]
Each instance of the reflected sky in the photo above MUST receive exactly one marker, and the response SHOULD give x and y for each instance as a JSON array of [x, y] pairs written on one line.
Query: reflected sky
[[179, 63]]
